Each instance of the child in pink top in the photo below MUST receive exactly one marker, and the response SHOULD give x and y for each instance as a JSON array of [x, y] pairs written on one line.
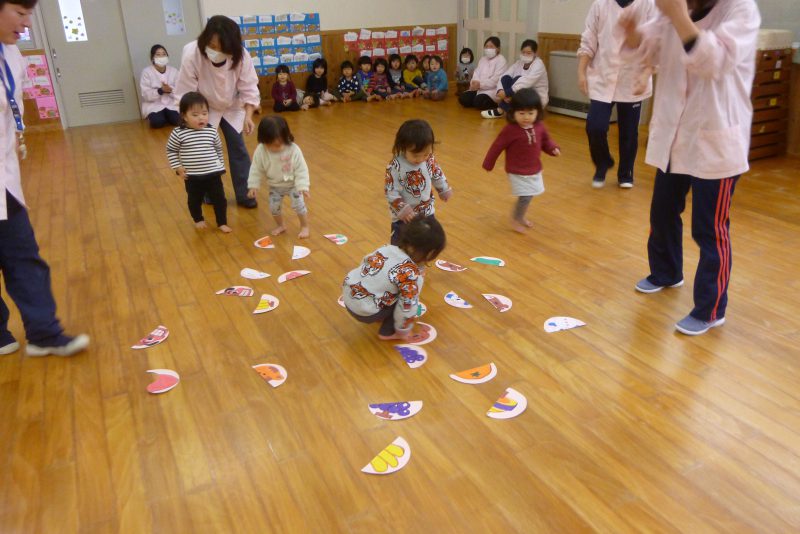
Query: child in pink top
[[523, 140], [699, 139]]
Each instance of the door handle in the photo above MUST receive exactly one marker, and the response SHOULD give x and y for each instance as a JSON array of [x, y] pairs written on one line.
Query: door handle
[[53, 53], [58, 72]]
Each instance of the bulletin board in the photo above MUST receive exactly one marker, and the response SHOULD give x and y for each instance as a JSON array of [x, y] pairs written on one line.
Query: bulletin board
[[38, 92], [290, 39], [418, 41]]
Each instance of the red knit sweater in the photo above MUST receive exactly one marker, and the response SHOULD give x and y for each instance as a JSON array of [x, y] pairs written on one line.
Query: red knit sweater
[[523, 148]]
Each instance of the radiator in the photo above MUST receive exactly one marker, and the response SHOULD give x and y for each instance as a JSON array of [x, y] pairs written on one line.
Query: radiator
[[565, 97]]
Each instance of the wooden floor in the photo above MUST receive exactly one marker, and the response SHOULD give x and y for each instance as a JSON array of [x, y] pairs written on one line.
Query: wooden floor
[[630, 427]]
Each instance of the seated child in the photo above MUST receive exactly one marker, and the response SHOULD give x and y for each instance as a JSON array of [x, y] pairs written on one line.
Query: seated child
[[396, 77], [284, 92], [437, 80], [317, 83], [412, 76], [379, 85], [464, 70], [348, 88], [364, 76], [386, 286], [279, 160]]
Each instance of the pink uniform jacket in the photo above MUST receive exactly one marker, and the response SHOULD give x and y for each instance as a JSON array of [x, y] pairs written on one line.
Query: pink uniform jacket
[[610, 77], [151, 81], [702, 111], [488, 72], [9, 163], [226, 89]]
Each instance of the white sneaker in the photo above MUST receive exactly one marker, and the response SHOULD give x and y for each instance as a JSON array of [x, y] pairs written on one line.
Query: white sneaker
[[10, 348], [491, 114], [74, 346]]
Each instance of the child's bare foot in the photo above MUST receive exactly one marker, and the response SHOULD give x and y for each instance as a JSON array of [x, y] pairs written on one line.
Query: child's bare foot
[[519, 226], [304, 233], [200, 224], [225, 229], [278, 230], [389, 338], [527, 223]]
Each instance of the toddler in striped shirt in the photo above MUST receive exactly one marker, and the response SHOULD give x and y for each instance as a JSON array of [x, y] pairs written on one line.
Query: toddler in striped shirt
[[194, 150]]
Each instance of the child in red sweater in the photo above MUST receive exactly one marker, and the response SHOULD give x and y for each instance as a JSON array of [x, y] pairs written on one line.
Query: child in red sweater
[[523, 140]]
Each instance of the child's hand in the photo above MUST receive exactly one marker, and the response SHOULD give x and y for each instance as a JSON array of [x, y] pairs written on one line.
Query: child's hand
[[304, 107], [180, 171], [251, 193], [406, 214], [306, 195], [556, 152], [445, 195], [287, 102]]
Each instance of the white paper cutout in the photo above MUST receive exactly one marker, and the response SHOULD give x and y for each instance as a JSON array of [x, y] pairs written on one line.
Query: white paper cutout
[[476, 375], [237, 291], [291, 275], [455, 301], [488, 260], [448, 266], [413, 355], [395, 411], [500, 302], [300, 252], [392, 458], [157, 336], [421, 309], [424, 333], [554, 324], [272, 373], [267, 303], [253, 274], [167, 379], [340, 301], [510, 404], [339, 239], [264, 242]]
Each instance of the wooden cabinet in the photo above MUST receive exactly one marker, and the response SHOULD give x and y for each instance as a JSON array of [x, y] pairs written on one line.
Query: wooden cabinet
[[770, 99]]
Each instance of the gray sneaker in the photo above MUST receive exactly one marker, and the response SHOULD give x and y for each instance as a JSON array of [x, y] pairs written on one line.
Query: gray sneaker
[[73, 346], [694, 327], [646, 286]]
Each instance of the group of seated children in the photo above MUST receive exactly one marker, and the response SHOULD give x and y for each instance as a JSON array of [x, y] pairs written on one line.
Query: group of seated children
[[375, 80]]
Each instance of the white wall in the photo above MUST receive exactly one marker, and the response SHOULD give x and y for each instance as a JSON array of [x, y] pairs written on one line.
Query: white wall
[[563, 16], [344, 14]]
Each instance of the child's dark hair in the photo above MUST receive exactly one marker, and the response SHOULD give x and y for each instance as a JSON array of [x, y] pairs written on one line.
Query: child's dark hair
[[426, 56], [438, 60], [413, 135], [524, 100], [346, 65], [282, 68], [425, 237], [381, 61], [320, 62], [190, 100], [466, 50], [397, 57], [530, 43], [274, 127], [409, 58], [314, 99], [365, 60]]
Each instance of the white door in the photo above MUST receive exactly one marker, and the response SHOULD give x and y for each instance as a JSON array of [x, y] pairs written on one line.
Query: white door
[[512, 21], [92, 70], [170, 23]]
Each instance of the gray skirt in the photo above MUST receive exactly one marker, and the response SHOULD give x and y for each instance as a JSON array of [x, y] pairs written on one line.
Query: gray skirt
[[526, 186]]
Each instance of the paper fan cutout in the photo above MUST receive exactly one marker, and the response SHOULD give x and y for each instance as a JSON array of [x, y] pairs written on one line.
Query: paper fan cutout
[[554, 324], [476, 375], [300, 252], [488, 260], [413, 355], [159, 335], [394, 411], [264, 242], [267, 303], [501, 302], [424, 333], [421, 309], [237, 291], [165, 381], [511, 404], [339, 239], [340, 301], [253, 274], [291, 275], [451, 267], [392, 458], [272, 373], [455, 301]]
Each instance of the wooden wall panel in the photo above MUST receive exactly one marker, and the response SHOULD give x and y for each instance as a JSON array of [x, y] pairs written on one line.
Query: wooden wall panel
[[556, 41], [793, 135]]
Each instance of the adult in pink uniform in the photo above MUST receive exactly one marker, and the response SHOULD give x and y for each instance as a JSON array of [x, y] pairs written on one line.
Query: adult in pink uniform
[[159, 103], [699, 139]]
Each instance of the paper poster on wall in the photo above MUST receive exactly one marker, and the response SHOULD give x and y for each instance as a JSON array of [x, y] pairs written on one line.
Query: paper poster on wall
[[173, 17], [72, 20], [48, 109]]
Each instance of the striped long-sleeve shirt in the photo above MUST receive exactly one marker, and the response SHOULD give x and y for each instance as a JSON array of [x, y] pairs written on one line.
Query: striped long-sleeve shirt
[[198, 151]]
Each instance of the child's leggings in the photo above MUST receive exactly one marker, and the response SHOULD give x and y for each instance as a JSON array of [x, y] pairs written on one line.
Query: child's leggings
[[521, 207]]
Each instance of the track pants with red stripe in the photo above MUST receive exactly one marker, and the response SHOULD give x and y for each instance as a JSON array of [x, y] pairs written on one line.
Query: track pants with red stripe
[[711, 202]]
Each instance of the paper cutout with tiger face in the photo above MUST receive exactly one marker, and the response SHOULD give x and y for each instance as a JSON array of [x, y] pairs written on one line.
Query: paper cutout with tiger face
[[373, 264]]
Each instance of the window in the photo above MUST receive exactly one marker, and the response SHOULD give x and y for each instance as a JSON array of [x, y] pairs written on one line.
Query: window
[[73, 21], [173, 17]]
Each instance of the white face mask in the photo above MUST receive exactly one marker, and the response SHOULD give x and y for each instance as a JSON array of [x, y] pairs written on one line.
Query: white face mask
[[490, 52], [216, 57], [465, 59], [526, 59], [161, 61]]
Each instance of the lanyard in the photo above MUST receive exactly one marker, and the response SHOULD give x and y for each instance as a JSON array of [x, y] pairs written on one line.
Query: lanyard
[[10, 87]]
